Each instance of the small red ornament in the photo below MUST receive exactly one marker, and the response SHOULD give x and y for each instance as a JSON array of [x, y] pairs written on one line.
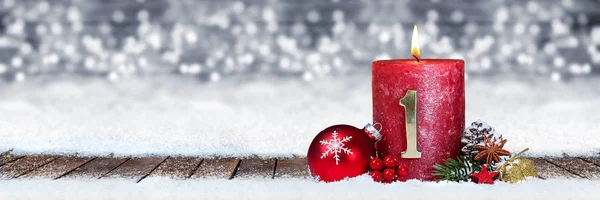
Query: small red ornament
[[341, 151], [402, 170], [376, 164], [377, 176], [401, 179], [389, 174], [390, 161], [484, 176]]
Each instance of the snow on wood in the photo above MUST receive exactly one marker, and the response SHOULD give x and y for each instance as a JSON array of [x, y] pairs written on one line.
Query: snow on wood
[[270, 117], [577, 166], [547, 170], [177, 167], [25, 165], [96, 168], [57, 168], [255, 168], [136, 168], [291, 168], [223, 168]]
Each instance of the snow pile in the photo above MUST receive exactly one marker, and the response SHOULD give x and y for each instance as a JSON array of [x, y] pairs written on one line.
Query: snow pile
[[168, 115], [360, 188]]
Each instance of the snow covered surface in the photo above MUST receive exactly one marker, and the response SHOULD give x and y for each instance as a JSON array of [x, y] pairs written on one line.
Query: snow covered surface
[[359, 188], [268, 117]]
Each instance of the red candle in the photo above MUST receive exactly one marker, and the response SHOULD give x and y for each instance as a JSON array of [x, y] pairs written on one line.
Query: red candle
[[420, 104]]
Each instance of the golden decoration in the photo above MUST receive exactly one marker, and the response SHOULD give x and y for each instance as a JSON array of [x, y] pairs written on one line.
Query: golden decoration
[[517, 169]]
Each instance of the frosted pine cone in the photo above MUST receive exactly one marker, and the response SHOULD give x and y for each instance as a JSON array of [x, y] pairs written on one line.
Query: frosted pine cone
[[473, 135]]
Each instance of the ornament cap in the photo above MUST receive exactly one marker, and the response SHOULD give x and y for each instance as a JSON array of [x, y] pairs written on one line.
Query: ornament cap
[[372, 131]]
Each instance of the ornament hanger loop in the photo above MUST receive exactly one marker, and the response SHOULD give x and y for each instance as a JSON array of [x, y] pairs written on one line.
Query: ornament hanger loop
[[378, 126], [372, 131]]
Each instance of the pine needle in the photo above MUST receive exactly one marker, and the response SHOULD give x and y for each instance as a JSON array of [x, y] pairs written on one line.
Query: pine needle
[[456, 170]]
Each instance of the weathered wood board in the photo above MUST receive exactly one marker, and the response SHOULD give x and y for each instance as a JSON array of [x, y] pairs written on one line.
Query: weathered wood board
[[177, 167], [291, 168], [136, 168], [578, 167], [255, 168], [57, 168], [25, 165], [547, 170], [217, 168], [96, 168]]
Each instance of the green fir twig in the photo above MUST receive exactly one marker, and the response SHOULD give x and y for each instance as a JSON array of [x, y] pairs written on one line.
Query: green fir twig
[[456, 170]]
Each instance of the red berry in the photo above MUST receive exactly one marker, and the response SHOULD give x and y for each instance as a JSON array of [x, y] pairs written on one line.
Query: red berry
[[401, 179], [377, 176], [402, 170], [389, 174], [390, 161], [376, 164]]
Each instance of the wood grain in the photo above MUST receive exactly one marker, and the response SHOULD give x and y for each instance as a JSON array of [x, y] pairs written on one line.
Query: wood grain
[[25, 165], [594, 160], [577, 166], [291, 168], [57, 168], [136, 168], [177, 167], [255, 168], [8, 158], [217, 168], [48, 166], [547, 170], [96, 168]]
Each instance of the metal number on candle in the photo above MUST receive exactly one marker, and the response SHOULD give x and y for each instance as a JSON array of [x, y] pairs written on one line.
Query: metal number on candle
[[409, 102]]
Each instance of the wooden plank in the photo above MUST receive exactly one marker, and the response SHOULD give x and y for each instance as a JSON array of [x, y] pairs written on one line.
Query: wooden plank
[[177, 167], [8, 158], [255, 168], [217, 168], [136, 168], [548, 170], [96, 168], [577, 166], [594, 160], [25, 165], [57, 168], [291, 168]]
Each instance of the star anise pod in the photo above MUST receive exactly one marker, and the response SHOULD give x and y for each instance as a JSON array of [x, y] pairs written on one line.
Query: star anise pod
[[491, 151]]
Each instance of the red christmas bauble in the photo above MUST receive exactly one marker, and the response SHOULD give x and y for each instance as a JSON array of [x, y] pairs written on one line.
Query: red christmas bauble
[[341, 151], [390, 161], [401, 178], [377, 176], [389, 174], [376, 164], [402, 170]]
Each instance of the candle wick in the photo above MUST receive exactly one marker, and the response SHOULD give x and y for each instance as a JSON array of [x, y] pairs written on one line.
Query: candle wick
[[416, 58]]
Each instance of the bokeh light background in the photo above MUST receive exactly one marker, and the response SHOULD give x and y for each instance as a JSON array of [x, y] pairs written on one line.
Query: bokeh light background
[[262, 77], [303, 40]]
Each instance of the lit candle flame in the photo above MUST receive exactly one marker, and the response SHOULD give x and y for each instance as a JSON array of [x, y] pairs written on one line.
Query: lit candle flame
[[414, 50]]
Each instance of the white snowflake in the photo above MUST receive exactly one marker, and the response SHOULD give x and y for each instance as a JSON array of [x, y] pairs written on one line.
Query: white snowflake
[[336, 146]]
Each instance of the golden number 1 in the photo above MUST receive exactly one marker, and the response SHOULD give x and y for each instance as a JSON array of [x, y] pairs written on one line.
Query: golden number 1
[[409, 101]]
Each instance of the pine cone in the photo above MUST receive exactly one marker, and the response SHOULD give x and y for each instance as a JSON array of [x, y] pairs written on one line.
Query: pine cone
[[473, 135]]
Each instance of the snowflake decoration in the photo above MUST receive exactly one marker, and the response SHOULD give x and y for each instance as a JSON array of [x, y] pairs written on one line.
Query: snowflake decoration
[[335, 146]]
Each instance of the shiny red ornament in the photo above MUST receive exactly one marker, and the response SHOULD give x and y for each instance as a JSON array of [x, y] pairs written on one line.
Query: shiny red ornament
[[402, 170], [389, 174], [341, 151], [376, 164], [484, 176], [377, 176], [390, 161], [401, 179]]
